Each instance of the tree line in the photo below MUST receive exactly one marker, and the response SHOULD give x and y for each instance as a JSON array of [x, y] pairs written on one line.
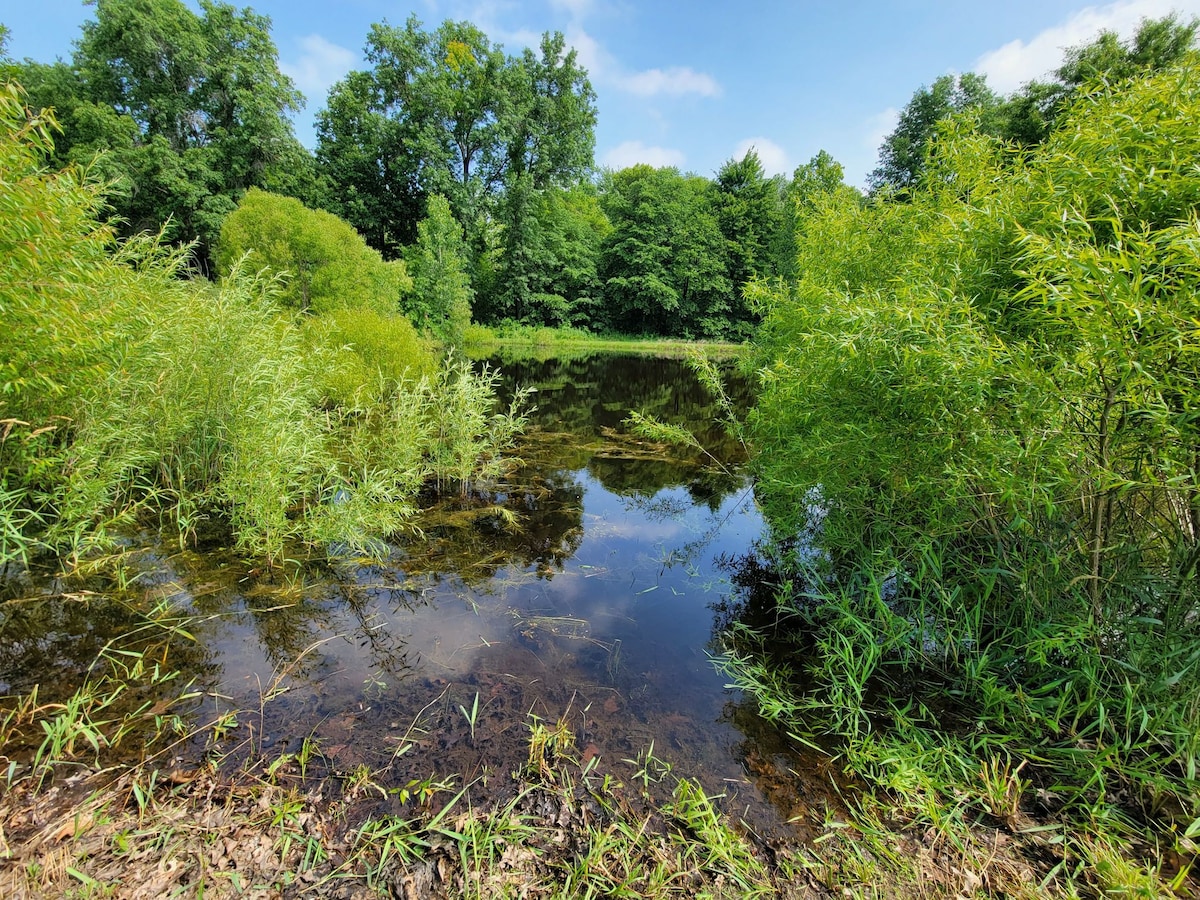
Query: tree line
[[471, 167]]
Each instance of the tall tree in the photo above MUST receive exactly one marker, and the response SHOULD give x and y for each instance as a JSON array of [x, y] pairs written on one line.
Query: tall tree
[[819, 177], [550, 250], [664, 263], [189, 111], [1029, 114], [749, 211], [441, 298], [902, 155], [447, 112]]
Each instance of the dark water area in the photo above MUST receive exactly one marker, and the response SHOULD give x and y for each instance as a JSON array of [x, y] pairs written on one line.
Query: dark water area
[[579, 586]]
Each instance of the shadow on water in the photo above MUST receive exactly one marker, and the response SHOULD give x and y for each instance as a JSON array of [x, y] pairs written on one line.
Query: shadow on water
[[581, 585]]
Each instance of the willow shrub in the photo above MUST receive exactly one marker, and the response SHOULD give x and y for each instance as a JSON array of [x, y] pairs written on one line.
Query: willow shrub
[[993, 388], [324, 263], [130, 391], [364, 353]]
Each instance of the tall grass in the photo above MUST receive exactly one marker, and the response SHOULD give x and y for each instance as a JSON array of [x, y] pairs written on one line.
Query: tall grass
[[132, 391]]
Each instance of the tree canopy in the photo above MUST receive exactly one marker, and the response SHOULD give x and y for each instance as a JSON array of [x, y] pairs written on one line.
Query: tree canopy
[[448, 112], [184, 112], [664, 263], [1027, 117], [902, 155]]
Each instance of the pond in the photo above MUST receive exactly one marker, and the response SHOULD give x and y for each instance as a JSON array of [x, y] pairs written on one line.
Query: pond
[[580, 586]]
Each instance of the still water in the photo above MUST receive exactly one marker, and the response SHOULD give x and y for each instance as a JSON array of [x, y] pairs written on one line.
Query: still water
[[580, 586]]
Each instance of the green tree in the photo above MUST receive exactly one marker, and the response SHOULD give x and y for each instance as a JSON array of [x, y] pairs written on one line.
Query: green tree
[[370, 168], [447, 112], [750, 211], [186, 112], [551, 120], [550, 249], [326, 263], [664, 263], [441, 297], [1028, 116], [819, 177], [903, 152]]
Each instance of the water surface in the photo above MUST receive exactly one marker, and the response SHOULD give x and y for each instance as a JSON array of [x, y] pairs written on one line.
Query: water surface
[[579, 586]]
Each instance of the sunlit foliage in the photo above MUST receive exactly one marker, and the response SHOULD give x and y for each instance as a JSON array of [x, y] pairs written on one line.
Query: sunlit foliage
[[133, 394], [325, 264], [981, 405]]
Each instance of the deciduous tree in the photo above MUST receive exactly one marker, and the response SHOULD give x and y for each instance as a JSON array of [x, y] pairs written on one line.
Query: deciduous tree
[[664, 263]]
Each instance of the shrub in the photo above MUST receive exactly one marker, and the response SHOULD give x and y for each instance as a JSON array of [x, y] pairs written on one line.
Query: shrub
[[326, 263]]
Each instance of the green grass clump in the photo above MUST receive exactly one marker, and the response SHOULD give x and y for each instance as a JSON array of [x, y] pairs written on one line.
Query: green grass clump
[[133, 392]]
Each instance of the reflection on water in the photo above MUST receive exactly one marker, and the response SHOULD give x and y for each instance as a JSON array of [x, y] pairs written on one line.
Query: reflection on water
[[580, 584]]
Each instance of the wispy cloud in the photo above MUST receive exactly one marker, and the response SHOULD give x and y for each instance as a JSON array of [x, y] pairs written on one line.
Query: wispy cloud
[[774, 158], [1017, 62], [605, 69], [631, 153], [879, 126], [577, 8], [676, 81], [321, 63]]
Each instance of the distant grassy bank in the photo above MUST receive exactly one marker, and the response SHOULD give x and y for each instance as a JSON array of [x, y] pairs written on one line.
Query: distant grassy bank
[[481, 340]]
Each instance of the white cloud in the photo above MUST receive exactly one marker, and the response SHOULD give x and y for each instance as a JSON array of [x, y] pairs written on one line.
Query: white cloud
[[320, 64], [631, 153], [603, 68], [774, 158], [674, 82], [590, 53], [1017, 62], [514, 40]]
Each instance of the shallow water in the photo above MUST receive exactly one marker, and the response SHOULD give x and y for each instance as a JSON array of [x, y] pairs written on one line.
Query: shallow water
[[580, 586]]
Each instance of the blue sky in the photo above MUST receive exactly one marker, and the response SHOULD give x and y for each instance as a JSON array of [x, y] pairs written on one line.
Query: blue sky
[[692, 84]]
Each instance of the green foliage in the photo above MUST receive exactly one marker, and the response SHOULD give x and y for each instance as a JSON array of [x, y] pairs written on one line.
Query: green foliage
[[326, 264], [551, 246], [447, 112], [441, 297], [902, 155], [977, 442], [363, 355], [750, 212], [1030, 114], [130, 391], [819, 177], [468, 438], [185, 111], [664, 263]]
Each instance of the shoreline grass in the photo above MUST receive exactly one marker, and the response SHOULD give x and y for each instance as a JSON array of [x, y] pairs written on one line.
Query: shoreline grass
[[481, 341]]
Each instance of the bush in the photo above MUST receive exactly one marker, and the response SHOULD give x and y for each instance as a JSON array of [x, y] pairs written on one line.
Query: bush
[[358, 353], [993, 386], [325, 263], [133, 391]]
